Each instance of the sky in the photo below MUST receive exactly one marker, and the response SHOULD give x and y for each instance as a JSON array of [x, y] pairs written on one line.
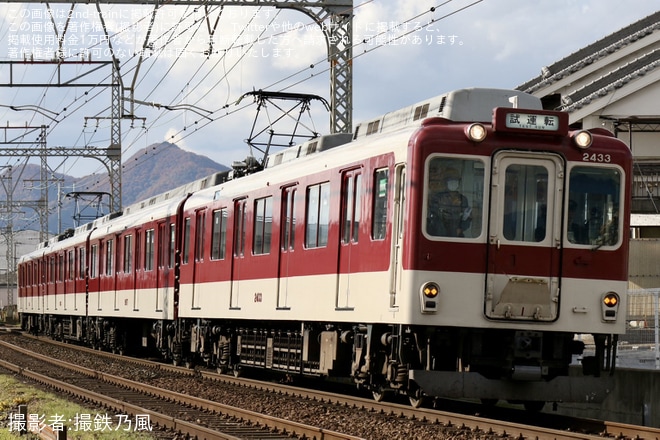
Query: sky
[[196, 64]]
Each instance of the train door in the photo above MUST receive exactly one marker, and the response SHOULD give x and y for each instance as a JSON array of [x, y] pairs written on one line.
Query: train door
[[522, 282], [397, 233], [287, 242], [238, 254], [351, 213]]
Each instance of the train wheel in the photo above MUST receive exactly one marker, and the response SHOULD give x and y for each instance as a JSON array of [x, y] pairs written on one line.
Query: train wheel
[[379, 393], [416, 397]]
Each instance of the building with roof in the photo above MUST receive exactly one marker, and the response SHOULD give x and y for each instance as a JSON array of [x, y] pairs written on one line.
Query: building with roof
[[614, 83]]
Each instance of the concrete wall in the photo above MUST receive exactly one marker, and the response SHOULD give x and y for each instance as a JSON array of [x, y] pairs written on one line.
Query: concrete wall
[[634, 400]]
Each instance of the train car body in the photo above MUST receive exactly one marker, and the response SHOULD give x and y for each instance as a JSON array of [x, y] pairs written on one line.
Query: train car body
[[465, 246]]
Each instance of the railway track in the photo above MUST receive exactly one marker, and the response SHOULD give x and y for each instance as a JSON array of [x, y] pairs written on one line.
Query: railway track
[[452, 424], [182, 414]]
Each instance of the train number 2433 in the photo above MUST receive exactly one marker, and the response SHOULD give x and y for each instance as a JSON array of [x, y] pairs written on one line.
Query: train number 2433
[[596, 157]]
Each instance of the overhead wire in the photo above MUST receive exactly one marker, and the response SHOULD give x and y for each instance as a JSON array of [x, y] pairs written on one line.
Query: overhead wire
[[199, 124]]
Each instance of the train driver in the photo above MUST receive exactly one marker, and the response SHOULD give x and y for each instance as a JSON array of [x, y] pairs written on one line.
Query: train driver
[[449, 212]]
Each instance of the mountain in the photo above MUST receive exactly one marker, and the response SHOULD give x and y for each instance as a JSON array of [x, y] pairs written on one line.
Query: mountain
[[154, 170], [151, 171]]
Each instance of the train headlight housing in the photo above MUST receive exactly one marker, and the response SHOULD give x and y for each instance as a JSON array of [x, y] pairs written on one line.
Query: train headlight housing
[[476, 132], [583, 139], [610, 306], [429, 297]]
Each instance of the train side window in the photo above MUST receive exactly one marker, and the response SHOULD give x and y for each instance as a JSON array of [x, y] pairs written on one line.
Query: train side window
[[61, 268], [51, 270], [289, 218], [81, 263], [317, 215], [199, 235], [351, 210], [161, 251], [219, 234], [263, 225], [109, 257], [594, 203], [240, 223], [149, 250], [170, 263], [454, 201], [186, 240], [72, 265], [93, 261], [128, 254], [380, 196]]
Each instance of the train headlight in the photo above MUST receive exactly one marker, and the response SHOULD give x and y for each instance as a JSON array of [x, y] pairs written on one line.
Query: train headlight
[[476, 132], [583, 139], [429, 297], [430, 290], [610, 306]]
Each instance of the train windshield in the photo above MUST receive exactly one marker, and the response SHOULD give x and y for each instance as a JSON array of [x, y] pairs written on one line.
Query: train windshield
[[454, 200], [592, 217]]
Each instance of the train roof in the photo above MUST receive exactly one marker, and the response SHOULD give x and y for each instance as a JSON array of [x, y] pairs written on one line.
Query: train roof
[[464, 105]]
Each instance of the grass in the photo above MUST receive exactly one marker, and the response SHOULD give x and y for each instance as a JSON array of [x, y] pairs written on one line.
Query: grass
[[49, 408]]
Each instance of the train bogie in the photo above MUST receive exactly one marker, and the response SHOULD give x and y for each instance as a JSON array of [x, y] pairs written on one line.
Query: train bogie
[[437, 252]]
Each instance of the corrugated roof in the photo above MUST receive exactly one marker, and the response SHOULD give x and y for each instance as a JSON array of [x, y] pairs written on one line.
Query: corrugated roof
[[611, 81], [593, 52]]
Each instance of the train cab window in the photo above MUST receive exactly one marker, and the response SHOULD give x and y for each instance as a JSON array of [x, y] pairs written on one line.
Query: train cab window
[[219, 234], [317, 215], [591, 214], [525, 203], [263, 225], [454, 200], [128, 254], [149, 250], [380, 195]]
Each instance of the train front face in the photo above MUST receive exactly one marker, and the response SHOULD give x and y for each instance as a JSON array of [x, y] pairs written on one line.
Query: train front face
[[520, 270]]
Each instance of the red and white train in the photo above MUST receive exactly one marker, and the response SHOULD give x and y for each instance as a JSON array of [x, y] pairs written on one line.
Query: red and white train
[[470, 245]]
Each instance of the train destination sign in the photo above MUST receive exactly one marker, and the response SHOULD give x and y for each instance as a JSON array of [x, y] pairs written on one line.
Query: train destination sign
[[532, 122]]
